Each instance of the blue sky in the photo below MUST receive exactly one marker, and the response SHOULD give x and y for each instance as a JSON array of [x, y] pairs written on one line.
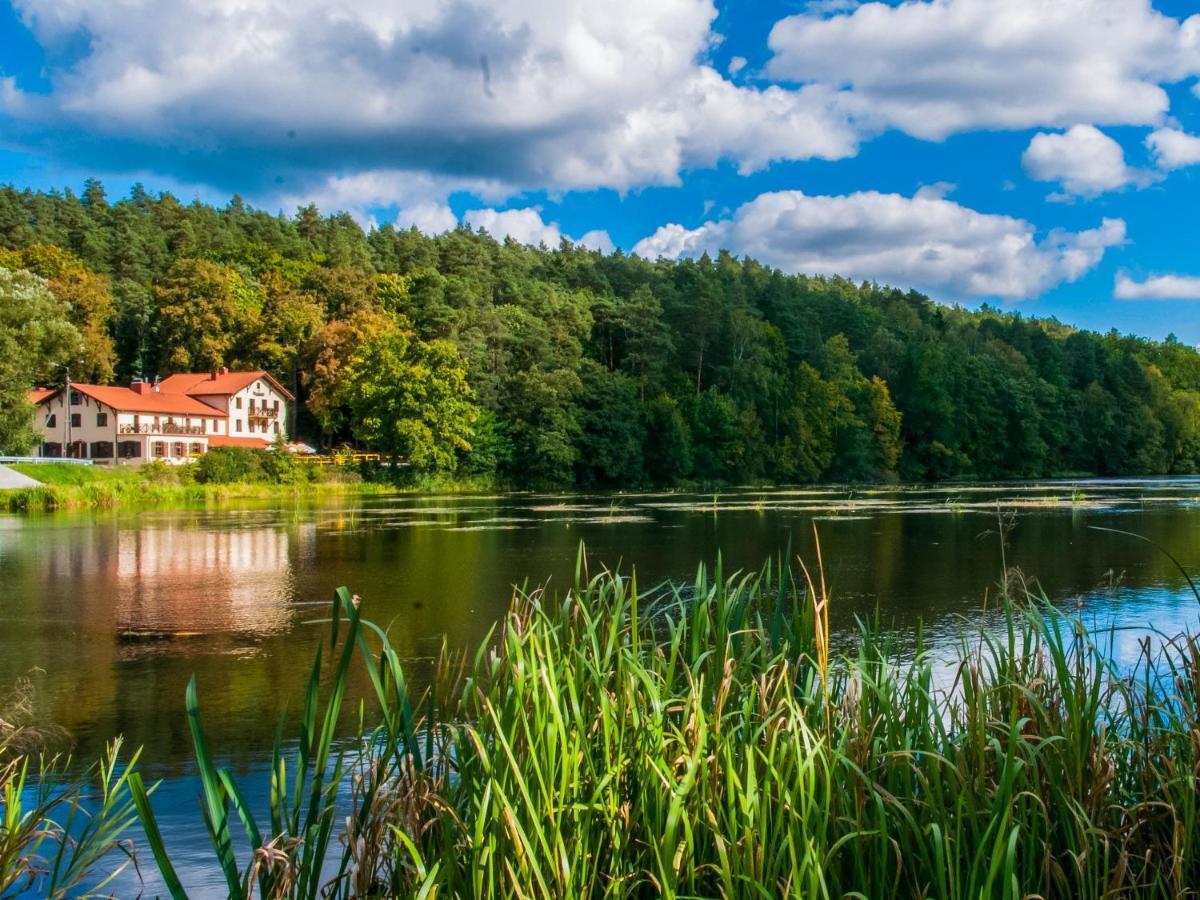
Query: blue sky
[[1039, 156]]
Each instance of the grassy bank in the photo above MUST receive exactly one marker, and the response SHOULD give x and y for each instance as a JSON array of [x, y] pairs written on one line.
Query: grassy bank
[[67, 486], [704, 741]]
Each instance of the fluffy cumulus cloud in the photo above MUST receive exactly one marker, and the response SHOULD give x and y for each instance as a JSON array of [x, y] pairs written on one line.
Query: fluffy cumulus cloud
[[1084, 159], [428, 216], [925, 241], [936, 67], [1174, 149], [571, 95], [527, 227], [1157, 287]]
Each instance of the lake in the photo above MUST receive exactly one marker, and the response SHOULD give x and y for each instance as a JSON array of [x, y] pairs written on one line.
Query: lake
[[112, 612]]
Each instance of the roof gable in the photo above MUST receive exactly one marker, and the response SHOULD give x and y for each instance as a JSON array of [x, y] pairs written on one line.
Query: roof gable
[[217, 384]]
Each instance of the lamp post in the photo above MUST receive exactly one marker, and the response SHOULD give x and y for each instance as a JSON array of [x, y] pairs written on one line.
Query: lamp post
[[66, 367]]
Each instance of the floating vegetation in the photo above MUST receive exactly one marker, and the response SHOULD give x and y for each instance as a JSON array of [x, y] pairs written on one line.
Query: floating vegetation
[[483, 528]]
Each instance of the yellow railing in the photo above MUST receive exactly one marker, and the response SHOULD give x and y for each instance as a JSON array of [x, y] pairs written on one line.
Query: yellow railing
[[340, 459]]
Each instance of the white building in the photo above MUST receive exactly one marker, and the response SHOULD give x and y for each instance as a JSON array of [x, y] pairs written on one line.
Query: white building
[[173, 420]]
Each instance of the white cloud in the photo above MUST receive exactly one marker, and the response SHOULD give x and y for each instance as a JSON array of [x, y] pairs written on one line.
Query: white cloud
[[1084, 159], [526, 226], [1174, 149], [574, 95], [597, 239], [924, 241], [1157, 287], [522, 225], [940, 67], [736, 64], [429, 216]]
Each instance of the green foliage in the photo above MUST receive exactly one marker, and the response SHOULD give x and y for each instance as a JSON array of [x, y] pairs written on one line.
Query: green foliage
[[204, 313], [613, 432], [700, 741], [668, 448], [574, 358], [410, 399], [246, 465], [36, 336]]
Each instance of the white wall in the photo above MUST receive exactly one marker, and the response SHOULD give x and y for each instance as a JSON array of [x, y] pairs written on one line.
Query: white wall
[[146, 428], [262, 396]]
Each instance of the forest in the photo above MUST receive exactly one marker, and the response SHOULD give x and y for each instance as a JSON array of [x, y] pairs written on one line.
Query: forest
[[565, 367]]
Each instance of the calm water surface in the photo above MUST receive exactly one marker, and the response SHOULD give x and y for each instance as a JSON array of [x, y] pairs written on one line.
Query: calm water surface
[[113, 612]]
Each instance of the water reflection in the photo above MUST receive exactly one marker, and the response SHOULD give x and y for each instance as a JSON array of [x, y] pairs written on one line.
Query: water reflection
[[188, 581], [119, 609]]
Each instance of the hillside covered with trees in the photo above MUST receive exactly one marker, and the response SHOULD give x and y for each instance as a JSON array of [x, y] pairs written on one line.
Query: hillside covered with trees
[[565, 367]]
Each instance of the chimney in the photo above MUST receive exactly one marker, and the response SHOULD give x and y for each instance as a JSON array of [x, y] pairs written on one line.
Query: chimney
[[224, 370], [212, 376], [140, 387]]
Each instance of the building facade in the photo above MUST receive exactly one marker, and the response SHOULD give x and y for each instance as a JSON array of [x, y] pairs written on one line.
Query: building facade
[[173, 421]]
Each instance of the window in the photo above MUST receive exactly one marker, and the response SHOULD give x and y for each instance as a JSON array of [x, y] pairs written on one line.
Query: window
[[160, 449], [239, 425], [52, 450], [77, 450], [102, 420], [76, 399], [276, 424], [102, 450], [129, 449], [238, 402], [276, 406], [178, 450], [252, 404], [76, 420], [197, 448], [52, 421]]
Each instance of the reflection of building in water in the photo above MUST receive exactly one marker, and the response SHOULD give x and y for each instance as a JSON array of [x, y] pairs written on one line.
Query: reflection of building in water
[[192, 580]]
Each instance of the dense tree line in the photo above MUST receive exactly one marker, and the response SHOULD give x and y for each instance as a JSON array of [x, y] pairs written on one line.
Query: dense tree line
[[564, 366]]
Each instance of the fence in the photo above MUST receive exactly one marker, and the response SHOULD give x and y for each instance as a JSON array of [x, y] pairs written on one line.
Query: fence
[[340, 459], [45, 459]]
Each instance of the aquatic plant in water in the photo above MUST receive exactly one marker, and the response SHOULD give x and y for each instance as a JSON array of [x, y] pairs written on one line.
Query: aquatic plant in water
[[702, 741]]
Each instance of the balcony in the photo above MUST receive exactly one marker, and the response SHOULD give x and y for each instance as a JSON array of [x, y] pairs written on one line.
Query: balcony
[[262, 412], [163, 428]]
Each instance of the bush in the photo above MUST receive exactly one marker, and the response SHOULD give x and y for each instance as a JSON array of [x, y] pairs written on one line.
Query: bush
[[224, 465]]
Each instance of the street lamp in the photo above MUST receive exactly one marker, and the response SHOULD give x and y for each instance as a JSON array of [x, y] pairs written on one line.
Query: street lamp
[[66, 367]]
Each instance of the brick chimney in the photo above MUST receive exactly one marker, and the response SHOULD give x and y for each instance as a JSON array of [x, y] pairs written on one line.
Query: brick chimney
[[140, 387]]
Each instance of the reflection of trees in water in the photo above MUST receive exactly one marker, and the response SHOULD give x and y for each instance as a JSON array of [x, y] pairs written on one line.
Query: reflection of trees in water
[[71, 586]]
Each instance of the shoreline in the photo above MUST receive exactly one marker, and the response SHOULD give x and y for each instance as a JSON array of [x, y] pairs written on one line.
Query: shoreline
[[83, 488]]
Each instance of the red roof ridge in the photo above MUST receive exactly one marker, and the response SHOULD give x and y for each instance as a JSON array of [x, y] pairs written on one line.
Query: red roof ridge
[[126, 399], [219, 383]]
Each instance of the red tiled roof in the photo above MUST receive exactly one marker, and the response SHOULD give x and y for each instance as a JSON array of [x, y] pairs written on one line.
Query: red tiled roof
[[216, 384], [125, 399], [222, 440], [37, 395]]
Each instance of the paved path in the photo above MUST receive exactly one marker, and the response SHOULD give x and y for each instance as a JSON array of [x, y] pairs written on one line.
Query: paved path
[[10, 479]]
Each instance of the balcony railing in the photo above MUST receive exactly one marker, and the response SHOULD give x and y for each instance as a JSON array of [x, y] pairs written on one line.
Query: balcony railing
[[163, 428], [263, 412]]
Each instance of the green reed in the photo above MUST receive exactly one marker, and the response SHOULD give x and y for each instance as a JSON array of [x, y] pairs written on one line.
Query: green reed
[[701, 740], [705, 740]]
